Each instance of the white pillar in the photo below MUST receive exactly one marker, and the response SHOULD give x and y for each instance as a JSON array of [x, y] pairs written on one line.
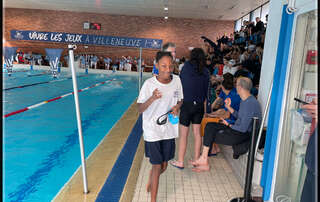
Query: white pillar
[[76, 100]]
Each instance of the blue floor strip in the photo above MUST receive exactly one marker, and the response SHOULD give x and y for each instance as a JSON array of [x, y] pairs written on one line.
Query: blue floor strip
[[113, 187]]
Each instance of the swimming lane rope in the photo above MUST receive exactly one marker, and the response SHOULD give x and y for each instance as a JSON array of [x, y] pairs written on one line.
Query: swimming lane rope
[[56, 98], [20, 71], [43, 73], [33, 84]]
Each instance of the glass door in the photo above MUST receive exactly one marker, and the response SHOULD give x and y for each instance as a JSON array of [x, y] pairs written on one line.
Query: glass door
[[296, 131]]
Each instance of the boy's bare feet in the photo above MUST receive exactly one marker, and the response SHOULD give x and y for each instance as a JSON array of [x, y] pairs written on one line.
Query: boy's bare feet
[[201, 168], [192, 162], [200, 162]]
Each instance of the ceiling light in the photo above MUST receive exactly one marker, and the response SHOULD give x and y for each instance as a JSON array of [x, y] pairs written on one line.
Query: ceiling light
[[166, 8], [166, 17]]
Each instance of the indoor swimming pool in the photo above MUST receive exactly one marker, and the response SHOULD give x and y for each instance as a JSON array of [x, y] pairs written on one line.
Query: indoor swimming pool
[[41, 144]]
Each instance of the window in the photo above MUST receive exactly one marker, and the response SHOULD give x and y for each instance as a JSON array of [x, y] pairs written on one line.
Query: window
[[254, 14], [237, 25], [264, 12], [261, 12], [247, 18]]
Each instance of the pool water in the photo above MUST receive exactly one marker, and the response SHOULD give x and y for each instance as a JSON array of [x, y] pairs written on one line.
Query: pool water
[[41, 146]]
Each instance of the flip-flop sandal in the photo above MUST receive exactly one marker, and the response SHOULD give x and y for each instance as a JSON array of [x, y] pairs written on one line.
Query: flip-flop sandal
[[174, 165], [215, 154]]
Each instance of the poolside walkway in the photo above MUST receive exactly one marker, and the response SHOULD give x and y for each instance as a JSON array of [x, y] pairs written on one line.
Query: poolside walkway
[[220, 184], [217, 185]]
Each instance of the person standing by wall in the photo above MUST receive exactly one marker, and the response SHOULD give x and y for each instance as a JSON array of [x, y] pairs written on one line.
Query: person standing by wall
[[259, 26], [195, 79]]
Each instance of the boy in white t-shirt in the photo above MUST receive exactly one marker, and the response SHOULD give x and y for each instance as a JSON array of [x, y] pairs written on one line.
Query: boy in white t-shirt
[[160, 94]]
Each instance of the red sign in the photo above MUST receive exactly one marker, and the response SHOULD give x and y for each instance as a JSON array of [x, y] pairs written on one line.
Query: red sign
[[96, 26], [312, 57]]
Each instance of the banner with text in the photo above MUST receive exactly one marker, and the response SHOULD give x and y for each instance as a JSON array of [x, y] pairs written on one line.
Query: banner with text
[[86, 39]]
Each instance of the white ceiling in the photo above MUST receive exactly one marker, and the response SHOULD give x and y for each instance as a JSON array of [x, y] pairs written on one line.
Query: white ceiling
[[195, 9]]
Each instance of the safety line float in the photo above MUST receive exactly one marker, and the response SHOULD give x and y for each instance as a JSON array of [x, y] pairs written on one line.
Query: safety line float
[[17, 70], [33, 84], [53, 99], [20, 71], [43, 73]]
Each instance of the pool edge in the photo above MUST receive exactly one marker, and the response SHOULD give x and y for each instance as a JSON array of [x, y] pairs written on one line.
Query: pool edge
[[100, 165], [130, 186]]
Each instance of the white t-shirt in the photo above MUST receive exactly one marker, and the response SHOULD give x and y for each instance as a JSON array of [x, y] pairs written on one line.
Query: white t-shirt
[[171, 94], [180, 66], [231, 70]]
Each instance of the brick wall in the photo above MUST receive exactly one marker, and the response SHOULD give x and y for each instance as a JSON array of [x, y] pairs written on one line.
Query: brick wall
[[183, 32]]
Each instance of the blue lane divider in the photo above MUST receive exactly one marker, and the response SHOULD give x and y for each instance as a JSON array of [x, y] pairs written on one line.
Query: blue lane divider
[[113, 187]]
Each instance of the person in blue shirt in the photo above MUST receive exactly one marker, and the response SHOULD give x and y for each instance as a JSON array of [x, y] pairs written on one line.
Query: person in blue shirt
[[155, 71], [107, 62], [82, 62], [195, 81], [228, 91], [220, 111]]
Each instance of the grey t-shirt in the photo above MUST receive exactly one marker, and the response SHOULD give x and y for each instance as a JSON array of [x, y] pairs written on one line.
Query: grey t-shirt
[[248, 109]]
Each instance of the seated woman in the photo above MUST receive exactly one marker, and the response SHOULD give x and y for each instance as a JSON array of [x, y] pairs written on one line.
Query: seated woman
[[231, 134], [220, 110]]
